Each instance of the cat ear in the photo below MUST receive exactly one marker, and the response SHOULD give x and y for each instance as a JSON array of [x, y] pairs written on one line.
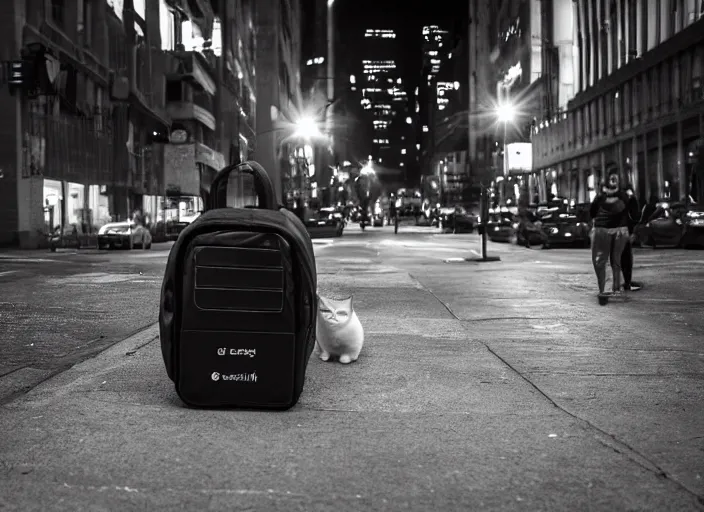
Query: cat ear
[[348, 300]]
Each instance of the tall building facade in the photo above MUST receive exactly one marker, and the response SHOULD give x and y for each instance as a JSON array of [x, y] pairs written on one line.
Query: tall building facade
[[384, 95], [481, 93], [279, 99], [117, 107], [318, 100], [638, 100], [436, 50], [520, 40], [450, 162]]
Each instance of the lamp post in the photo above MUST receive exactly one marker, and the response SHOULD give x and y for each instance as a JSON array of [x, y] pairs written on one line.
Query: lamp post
[[505, 114]]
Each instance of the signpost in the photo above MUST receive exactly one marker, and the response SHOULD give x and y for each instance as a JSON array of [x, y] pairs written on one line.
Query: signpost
[[483, 217]]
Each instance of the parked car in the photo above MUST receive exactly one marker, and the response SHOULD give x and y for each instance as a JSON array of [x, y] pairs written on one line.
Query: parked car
[[73, 237], [124, 235], [457, 219], [325, 222], [672, 225], [501, 226], [563, 227]]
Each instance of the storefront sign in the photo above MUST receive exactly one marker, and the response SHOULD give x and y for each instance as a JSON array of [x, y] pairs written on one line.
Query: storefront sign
[[520, 157], [181, 174]]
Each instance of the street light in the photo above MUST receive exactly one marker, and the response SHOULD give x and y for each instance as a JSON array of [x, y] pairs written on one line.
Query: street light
[[307, 128], [506, 114], [368, 170]]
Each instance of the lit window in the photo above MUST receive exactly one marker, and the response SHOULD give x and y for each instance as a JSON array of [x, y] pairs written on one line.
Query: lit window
[[403, 151]]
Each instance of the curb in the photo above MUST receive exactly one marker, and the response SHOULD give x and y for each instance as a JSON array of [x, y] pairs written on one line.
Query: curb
[[24, 380]]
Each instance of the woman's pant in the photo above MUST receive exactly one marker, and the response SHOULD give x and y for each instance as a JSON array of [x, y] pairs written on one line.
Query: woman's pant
[[627, 262], [607, 245]]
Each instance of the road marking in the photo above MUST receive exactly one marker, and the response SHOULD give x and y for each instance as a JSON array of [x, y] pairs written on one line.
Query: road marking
[[8, 272], [354, 260], [92, 278], [551, 326], [12, 259]]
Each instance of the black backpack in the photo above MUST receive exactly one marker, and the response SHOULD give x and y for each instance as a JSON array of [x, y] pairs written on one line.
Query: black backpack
[[238, 303]]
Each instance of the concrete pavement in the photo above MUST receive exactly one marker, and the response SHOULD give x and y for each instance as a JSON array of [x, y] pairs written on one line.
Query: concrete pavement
[[58, 308], [482, 386]]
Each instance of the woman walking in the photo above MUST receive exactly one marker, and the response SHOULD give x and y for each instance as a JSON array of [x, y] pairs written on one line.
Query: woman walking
[[610, 211], [627, 255]]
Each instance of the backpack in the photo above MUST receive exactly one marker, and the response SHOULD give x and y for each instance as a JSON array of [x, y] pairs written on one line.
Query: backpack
[[238, 303]]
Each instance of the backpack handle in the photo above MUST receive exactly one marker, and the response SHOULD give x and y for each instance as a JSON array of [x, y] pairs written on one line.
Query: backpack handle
[[263, 186]]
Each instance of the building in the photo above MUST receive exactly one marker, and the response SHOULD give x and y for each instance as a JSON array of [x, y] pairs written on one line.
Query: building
[[519, 36], [638, 100], [449, 160], [436, 49], [87, 103], [210, 95], [481, 93], [279, 99], [318, 97], [122, 106], [385, 97]]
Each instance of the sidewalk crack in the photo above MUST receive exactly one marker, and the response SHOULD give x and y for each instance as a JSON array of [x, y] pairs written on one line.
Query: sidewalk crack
[[605, 438]]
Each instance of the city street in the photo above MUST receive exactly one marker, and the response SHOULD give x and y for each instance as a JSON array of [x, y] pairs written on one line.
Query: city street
[[494, 386]]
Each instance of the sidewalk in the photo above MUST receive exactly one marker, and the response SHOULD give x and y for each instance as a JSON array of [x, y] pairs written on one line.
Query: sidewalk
[[427, 419]]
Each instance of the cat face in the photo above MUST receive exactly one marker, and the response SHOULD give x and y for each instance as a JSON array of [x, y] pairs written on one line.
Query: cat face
[[335, 311]]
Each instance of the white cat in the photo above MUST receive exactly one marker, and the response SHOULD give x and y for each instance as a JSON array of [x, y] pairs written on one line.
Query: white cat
[[339, 332]]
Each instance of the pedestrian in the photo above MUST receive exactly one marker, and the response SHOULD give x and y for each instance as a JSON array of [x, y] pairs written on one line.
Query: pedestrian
[[649, 209], [627, 255], [609, 209]]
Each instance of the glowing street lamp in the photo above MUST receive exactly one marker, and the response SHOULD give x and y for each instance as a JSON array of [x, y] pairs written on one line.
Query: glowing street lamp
[[307, 128], [506, 114], [368, 170]]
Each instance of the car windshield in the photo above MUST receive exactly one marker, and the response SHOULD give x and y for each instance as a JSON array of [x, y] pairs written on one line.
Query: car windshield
[[123, 227], [324, 213]]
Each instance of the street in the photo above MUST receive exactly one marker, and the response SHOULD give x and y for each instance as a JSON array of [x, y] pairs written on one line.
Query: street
[[482, 386]]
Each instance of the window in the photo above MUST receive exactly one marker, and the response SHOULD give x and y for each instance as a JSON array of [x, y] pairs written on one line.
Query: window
[[174, 90], [87, 23], [98, 108], [167, 27], [666, 94], [57, 12]]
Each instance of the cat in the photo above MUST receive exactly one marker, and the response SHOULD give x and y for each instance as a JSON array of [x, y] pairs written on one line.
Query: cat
[[338, 332]]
